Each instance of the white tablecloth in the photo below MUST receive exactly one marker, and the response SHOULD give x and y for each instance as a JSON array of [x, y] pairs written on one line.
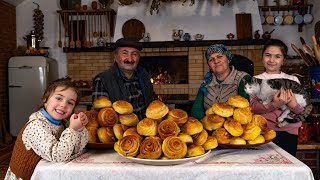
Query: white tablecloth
[[264, 162]]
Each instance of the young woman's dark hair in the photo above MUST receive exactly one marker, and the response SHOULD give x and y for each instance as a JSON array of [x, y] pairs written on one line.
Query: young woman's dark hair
[[276, 42]]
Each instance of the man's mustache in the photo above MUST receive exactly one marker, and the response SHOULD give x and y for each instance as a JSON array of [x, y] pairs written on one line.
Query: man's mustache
[[128, 62]]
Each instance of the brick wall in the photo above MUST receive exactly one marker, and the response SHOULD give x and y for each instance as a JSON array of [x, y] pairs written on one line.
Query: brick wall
[[7, 44], [85, 65], [311, 158]]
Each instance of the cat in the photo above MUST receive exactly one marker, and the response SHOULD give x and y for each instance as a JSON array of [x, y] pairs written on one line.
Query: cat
[[265, 90]]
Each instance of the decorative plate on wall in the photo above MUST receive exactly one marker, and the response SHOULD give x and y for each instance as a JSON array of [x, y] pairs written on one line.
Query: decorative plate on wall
[[133, 28]]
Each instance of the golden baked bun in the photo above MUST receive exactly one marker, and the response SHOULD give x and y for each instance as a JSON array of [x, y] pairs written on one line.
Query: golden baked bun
[[258, 140], [200, 138], [107, 117], [222, 109], [185, 138], [250, 131], [129, 119], [92, 133], [157, 110], [168, 128], [209, 111], [122, 107], [211, 143], [268, 134], [178, 115], [174, 148], [129, 145], [192, 126], [131, 131], [238, 141], [150, 148], [212, 122], [92, 116], [101, 102], [243, 115], [118, 131], [233, 127], [238, 101], [260, 121], [195, 150], [106, 135], [147, 127], [222, 135]]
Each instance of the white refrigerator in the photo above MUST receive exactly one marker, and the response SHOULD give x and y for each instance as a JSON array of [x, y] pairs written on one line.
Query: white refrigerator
[[28, 77]]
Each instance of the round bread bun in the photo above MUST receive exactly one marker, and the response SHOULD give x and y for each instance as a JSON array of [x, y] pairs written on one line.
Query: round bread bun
[[157, 110], [212, 122], [92, 133], [185, 138], [222, 109], [209, 111], [192, 126], [178, 115], [92, 116], [268, 134], [250, 131], [238, 141], [129, 119], [106, 135], [107, 117], [211, 143], [195, 150], [260, 121], [200, 138], [243, 115], [101, 102], [238, 101], [122, 107], [222, 135], [118, 131], [233, 127], [132, 131], [147, 127], [258, 140]]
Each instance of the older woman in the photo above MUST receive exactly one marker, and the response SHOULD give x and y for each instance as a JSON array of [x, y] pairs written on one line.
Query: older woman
[[220, 82]]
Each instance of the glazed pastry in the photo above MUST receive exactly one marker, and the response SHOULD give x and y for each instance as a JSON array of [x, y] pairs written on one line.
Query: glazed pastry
[[147, 127], [150, 148], [250, 131], [195, 150], [260, 121], [157, 110], [122, 107], [258, 140], [222, 109], [209, 111], [243, 115], [92, 132], [185, 138], [233, 127], [211, 143], [101, 102], [107, 117], [178, 115], [129, 145], [238, 141], [168, 128], [222, 135], [92, 116], [212, 122], [268, 134], [200, 138], [238, 101], [118, 130], [129, 119], [106, 135], [192, 126], [174, 148]]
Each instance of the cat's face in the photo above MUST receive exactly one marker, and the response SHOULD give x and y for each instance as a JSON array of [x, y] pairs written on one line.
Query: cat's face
[[252, 87]]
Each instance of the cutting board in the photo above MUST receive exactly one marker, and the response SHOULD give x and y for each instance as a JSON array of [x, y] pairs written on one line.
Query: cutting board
[[133, 28], [244, 26]]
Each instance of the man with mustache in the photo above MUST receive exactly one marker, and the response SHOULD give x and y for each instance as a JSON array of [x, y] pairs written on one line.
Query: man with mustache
[[126, 80]]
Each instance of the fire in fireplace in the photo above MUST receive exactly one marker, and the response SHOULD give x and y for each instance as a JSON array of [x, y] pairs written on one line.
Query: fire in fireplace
[[166, 69]]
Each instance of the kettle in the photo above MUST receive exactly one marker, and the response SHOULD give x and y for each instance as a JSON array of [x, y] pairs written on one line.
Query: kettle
[[267, 35], [32, 40]]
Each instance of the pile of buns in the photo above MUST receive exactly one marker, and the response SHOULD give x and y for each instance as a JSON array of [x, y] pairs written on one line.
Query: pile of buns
[[164, 134], [234, 123]]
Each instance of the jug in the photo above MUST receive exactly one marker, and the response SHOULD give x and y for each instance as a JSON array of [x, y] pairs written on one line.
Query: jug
[[32, 40], [267, 35], [146, 37], [176, 34]]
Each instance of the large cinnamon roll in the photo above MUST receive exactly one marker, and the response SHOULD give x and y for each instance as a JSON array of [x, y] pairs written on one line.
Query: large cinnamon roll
[[192, 126], [178, 115], [147, 127], [174, 148], [132, 131], [107, 117], [106, 134], [129, 145], [200, 138], [150, 148], [157, 110], [92, 116], [168, 128], [92, 132], [212, 122]]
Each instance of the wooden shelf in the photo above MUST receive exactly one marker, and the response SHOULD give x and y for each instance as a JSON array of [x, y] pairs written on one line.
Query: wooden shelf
[[310, 145]]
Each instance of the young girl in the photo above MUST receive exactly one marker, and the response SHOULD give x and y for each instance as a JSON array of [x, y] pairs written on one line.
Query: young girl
[[45, 136], [273, 56]]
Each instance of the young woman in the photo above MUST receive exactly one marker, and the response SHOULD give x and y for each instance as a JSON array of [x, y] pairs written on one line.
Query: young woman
[[273, 57], [45, 136]]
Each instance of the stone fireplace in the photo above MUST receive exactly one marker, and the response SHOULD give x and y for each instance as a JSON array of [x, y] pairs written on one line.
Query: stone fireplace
[[85, 65]]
